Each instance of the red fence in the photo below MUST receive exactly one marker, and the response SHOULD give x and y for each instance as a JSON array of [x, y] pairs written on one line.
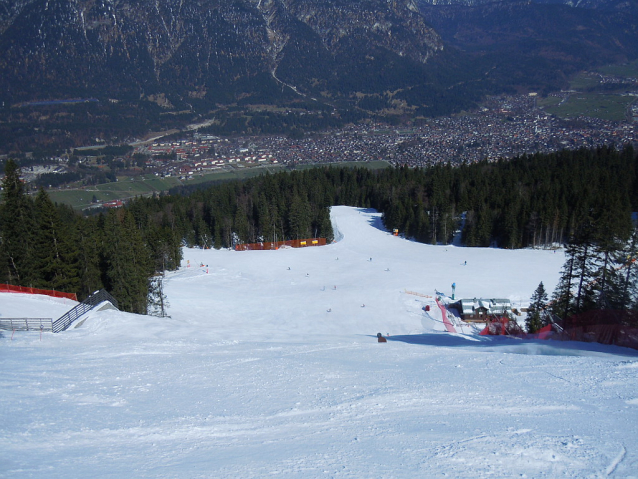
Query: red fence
[[619, 328], [617, 334], [604, 326], [501, 326], [448, 325], [302, 243], [9, 288]]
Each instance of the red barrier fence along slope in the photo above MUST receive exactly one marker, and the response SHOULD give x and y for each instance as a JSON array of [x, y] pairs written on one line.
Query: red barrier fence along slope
[[448, 325], [10, 288]]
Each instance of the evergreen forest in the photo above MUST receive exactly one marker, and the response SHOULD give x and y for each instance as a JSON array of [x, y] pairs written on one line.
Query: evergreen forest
[[581, 199]]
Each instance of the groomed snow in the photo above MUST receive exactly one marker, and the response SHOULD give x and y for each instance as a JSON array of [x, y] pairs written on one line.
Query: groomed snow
[[269, 366]]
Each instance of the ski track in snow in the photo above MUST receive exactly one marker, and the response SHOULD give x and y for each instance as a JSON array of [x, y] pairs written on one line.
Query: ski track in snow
[[263, 371]]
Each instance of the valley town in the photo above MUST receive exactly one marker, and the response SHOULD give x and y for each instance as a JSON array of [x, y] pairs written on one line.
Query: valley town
[[505, 127]]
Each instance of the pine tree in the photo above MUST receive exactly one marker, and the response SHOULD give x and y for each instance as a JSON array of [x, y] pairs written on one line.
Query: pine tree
[[56, 265], [535, 313], [89, 247], [585, 271], [265, 223], [17, 228], [628, 260], [127, 262], [164, 246], [240, 227], [324, 225], [609, 285], [203, 235], [299, 220], [157, 300], [562, 305]]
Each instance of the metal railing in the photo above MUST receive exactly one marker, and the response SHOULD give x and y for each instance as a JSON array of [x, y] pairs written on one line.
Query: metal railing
[[26, 324], [64, 321]]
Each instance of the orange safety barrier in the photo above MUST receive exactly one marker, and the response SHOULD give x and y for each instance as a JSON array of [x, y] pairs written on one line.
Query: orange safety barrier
[[417, 294], [269, 245], [10, 288]]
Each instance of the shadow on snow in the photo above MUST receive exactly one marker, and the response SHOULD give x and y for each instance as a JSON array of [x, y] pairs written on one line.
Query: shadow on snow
[[514, 345]]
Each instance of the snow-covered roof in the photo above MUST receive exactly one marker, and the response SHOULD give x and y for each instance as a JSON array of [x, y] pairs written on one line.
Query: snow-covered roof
[[469, 306]]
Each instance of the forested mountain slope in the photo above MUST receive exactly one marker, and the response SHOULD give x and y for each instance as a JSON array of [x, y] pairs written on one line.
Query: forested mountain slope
[[536, 45], [208, 52]]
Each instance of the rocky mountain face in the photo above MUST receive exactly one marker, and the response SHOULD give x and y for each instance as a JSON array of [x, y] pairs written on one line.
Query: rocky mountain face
[[602, 5], [537, 44], [264, 66], [210, 50]]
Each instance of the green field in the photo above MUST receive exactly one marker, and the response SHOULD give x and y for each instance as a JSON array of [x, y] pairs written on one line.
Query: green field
[[589, 98], [584, 81], [590, 81], [124, 188], [595, 105], [130, 187], [628, 70]]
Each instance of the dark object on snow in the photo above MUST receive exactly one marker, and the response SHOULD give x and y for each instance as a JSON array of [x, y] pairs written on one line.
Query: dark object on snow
[[381, 339]]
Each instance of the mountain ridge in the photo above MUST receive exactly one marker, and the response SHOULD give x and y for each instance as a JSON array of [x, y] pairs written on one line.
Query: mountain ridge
[[190, 46], [301, 64]]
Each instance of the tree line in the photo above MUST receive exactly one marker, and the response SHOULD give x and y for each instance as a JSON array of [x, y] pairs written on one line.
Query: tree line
[[50, 246], [600, 276], [531, 201]]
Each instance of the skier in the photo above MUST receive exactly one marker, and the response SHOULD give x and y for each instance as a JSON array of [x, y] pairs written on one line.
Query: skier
[[381, 339]]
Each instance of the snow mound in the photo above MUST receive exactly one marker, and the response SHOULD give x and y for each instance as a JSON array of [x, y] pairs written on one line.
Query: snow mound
[[20, 305]]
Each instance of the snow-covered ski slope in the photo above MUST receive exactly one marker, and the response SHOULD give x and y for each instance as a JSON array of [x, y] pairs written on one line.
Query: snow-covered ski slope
[[269, 366]]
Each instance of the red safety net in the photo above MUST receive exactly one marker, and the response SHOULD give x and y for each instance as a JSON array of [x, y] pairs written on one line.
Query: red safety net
[[545, 333], [448, 325], [618, 328], [10, 288], [502, 326], [604, 326]]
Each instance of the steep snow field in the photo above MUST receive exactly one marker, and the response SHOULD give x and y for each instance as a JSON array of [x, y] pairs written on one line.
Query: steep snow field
[[269, 366]]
